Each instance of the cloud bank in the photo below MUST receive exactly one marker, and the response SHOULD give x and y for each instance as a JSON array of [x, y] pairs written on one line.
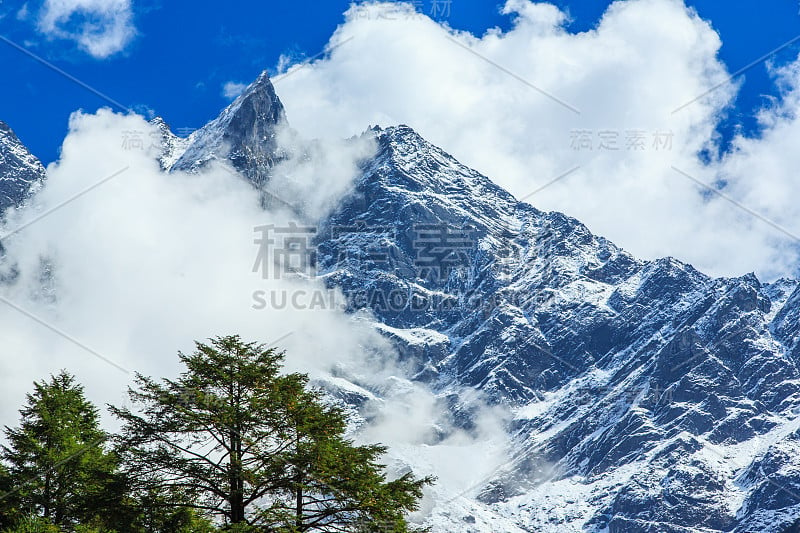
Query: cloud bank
[[139, 265]]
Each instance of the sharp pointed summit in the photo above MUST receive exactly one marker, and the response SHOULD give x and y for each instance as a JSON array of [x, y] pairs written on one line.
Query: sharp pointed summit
[[244, 133]]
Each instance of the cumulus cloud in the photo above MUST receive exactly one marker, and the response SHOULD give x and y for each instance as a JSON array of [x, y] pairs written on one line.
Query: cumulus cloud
[[101, 28], [627, 106], [232, 89]]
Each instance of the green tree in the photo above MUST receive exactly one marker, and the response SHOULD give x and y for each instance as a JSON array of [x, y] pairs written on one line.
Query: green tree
[[33, 524], [156, 510], [245, 440], [56, 458], [334, 485], [8, 503]]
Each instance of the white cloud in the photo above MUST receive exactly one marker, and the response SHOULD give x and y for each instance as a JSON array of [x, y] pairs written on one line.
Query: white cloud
[[233, 89], [136, 253], [643, 61], [101, 28]]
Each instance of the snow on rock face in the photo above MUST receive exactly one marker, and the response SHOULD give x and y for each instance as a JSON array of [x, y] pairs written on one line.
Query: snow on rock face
[[245, 133], [172, 146], [21, 174], [653, 383]]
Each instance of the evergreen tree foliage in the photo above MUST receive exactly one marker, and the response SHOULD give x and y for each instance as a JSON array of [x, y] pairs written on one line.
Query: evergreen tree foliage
[[56, 458], [256, 449]]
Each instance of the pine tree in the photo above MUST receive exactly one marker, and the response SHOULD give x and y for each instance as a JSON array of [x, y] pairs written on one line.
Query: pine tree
[[161, 511], [33, 524], [334, 485], [9, 513], [56, 458], [245, 439]]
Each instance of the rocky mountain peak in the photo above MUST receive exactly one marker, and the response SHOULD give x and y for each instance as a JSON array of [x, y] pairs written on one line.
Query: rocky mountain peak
[[21, 173], [245, 133]]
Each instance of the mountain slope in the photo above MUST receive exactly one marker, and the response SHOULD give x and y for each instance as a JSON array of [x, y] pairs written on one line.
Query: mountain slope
[[667, 396], [21, 174]]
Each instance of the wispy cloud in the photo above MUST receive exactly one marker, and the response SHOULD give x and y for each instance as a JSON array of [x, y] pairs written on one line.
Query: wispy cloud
[[232, 89], [101, 28]]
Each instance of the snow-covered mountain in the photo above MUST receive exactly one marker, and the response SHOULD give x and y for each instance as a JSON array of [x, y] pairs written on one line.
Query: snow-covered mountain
[[21, 174], [647, 396], [245, 133]]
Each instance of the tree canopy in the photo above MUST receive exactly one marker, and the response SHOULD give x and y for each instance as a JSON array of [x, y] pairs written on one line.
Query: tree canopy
[[59, 455], [232, 443], [256, 447]]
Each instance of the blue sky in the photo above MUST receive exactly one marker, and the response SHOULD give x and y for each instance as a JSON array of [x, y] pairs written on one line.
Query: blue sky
[[184, 52]]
